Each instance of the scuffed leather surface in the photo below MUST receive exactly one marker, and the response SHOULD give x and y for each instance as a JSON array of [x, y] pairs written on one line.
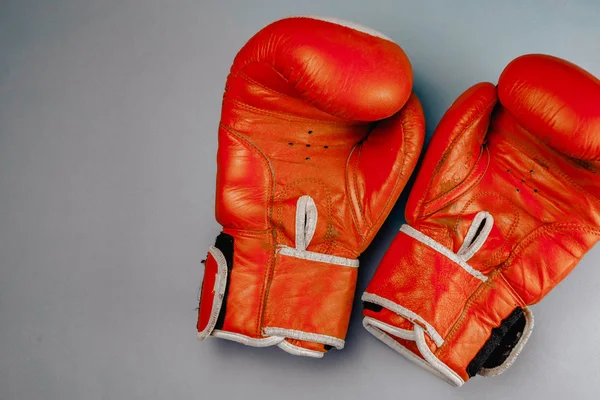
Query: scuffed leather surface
[[527, 152], [299, 118]]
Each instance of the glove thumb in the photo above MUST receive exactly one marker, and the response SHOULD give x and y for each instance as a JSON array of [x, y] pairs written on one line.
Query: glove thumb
[[461, 131], [381, 165]]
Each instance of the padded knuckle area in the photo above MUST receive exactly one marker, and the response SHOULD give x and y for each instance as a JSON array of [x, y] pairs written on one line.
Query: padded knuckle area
[[555, 100]]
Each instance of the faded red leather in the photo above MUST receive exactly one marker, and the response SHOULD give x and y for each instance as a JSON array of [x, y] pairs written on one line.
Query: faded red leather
[[313, 112], [527, 153]]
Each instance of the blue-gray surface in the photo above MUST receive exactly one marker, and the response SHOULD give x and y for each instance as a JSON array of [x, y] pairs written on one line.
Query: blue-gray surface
[[108, 122]]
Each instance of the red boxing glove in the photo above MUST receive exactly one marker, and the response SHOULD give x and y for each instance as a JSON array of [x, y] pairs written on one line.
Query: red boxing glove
[[319, 133], [506, 203]]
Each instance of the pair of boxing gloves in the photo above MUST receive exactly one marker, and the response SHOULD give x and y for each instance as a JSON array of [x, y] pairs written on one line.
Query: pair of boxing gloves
[[320, 132]]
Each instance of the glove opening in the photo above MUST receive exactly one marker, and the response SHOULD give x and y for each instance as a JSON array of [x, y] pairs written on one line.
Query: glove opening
[[503, 345]]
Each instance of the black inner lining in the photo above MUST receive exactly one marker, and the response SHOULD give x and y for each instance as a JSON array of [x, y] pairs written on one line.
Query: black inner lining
[[224, 242], [501, 342], [372, 306]]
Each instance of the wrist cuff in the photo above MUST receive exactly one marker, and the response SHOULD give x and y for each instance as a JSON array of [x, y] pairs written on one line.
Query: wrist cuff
[[310, 296], [307, 299], [429, 304]]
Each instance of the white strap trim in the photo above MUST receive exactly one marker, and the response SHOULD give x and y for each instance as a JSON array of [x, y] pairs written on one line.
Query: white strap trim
[[516, 350], [319, 257], [306, 225], [386, 338], [218, 291], [405, 313], [435, 363], [306, 336], [426, 240], [299, 351], [279, 341], [382, 331], [400, 333], [247, 340]]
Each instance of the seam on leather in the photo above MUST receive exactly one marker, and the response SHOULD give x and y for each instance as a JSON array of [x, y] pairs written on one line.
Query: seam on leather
[[247, 78], [349, 192], [332, 113], [450, 336], [555, 227], [556, 172], [271, 264], [288, 117], [239, 230], [396, 184], [342, 122], [343, 250], [355, 181], [451, 147], [459, 187], [469, 303], [500, 270]]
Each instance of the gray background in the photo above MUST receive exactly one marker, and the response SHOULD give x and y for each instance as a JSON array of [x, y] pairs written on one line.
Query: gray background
[[108, 133]]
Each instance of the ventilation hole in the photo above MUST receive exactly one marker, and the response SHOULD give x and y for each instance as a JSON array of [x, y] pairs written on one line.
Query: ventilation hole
[[291, 144], [310, 132], [308, 145], [307, 158], [325, 147], [508, 170]]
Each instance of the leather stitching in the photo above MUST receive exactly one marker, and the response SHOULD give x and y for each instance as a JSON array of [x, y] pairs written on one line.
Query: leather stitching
[[560, 226], [396, 184], [504, 267], [349, 192], [247, 78], [329, 233], [450, 147], [356, 192], [555, 172], [267, 275], [516, 218], [288, 117], [470, 181]]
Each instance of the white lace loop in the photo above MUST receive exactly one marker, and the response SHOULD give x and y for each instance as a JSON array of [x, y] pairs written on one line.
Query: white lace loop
[[476, 237], [306, 225], [306, 221]]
